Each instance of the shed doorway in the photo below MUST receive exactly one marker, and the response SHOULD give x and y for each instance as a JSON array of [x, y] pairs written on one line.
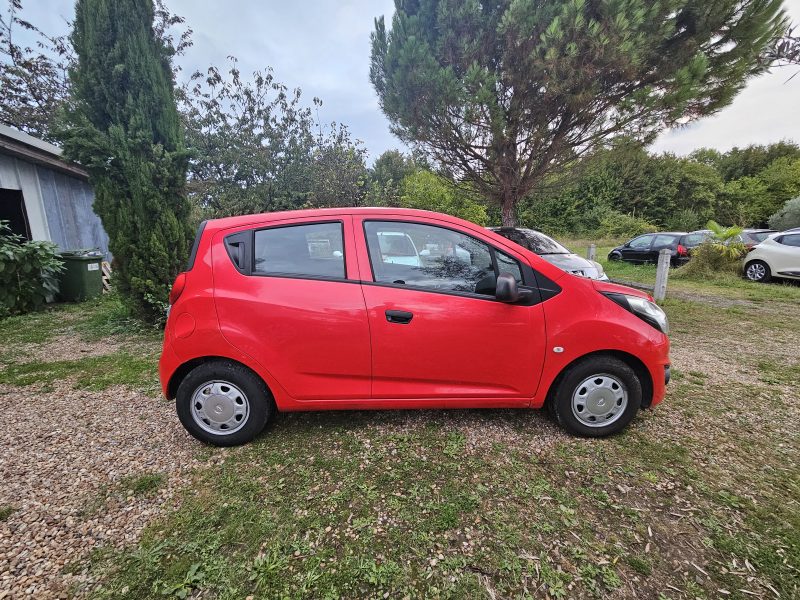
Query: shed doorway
[[12, 209]]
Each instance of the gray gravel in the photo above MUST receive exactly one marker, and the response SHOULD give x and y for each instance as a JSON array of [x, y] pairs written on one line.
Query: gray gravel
[[64, 455]]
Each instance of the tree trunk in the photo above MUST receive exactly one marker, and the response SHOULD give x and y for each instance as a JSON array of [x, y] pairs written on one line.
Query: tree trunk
[[508, 208]]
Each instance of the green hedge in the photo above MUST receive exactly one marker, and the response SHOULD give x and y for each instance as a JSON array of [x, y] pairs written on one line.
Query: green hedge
[[28, 272]]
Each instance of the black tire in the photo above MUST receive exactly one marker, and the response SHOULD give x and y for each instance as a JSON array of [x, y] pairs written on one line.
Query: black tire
[[614, 256], [756, 274], [257, 396], [600, 366]]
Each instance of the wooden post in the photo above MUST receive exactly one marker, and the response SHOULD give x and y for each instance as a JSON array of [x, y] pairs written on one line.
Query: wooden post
[[662, 274], [592, 253]]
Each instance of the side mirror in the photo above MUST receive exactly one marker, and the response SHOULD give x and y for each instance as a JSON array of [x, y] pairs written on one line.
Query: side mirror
[[506, 289]]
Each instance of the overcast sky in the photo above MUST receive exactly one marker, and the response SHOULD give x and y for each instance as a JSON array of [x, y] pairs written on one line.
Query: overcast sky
[[323, 48]]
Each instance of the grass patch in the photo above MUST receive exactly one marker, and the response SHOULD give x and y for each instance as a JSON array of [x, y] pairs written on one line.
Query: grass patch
[[146, 484], [107, 316], [94, 373], [6, 511], [779, 372]]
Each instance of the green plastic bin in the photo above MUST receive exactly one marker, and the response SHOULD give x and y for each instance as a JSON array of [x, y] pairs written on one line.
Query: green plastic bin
[[82, 277]]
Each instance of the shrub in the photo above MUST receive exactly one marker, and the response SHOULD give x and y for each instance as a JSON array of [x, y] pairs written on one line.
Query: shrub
[[787, 217], [718, 256], [28, 272], [617, 224]]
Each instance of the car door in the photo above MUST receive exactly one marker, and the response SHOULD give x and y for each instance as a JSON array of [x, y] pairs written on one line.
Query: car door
[[638, 249], [785, 258], [287, 293], [438, 334]]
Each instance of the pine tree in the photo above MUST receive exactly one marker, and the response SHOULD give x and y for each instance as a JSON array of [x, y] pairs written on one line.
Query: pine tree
[[123, 126], [502, 93]]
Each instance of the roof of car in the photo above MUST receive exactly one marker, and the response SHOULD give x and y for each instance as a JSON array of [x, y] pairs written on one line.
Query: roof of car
[[236, 221]]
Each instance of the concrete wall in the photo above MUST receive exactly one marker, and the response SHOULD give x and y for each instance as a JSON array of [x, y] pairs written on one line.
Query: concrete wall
[[59, 206]]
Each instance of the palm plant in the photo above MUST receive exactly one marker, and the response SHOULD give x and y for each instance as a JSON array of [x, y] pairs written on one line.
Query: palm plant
[[726, 240]]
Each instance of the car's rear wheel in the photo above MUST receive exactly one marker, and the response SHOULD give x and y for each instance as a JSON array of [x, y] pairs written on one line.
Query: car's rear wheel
[[758, 270], [223, 403], [597, 397]]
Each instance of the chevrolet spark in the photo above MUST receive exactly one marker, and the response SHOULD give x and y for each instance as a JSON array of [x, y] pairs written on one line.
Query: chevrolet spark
[[369, 308]]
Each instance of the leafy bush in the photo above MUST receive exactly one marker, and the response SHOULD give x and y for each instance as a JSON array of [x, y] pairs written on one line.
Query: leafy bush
[[617, 224], [787, 217], [28, 272]]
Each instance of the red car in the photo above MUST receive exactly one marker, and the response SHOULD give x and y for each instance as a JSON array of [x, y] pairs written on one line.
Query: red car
[[371, 308]]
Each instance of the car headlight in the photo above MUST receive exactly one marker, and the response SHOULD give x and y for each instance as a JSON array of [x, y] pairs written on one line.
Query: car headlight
[[647, 311]]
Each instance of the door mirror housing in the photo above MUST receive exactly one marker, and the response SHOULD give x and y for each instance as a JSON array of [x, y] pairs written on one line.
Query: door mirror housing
[[507, 289]]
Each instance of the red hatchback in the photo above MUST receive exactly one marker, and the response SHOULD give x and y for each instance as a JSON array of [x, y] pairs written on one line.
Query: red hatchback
[[389, 308]]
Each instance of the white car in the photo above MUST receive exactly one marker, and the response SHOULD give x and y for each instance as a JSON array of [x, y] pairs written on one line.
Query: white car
[[777, 256]]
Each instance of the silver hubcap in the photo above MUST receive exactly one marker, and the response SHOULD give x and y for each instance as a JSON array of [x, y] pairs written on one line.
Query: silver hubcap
[[599, 400], [219, 407], [756, 272]]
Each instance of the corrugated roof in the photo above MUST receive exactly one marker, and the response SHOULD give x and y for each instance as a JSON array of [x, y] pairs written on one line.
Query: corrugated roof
[[29, 148]]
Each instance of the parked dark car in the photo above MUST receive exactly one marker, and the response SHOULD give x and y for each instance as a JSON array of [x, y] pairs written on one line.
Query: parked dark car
[[553, 252], [645, 248]]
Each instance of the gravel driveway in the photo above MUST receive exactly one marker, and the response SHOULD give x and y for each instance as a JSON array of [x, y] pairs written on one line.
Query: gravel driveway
[[65, 456]]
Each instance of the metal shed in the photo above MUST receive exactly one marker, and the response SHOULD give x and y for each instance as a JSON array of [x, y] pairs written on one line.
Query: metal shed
[[46, 197]]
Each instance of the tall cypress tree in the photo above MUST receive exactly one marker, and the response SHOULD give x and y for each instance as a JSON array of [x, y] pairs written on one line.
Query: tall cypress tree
[[123, 126]]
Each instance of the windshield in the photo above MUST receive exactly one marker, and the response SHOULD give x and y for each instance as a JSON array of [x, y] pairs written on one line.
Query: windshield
[[535, 241]]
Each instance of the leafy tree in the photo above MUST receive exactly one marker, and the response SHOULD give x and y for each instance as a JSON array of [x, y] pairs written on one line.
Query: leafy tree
[[123, 126], [751, 160], [503, 93], [787, 217], [338, 170], [251, 142], [782, 180], [428, 191], [387, 174], [34, 80]]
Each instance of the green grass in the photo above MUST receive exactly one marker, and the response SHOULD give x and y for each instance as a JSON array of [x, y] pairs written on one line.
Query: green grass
[[95, 373], [146, 484], [6, 511]]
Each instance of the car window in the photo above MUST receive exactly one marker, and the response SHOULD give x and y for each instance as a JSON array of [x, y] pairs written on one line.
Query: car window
[[664, 241], [641, 242], [535, 241], [759, 236], [434, 258], [694, 239], [313, 250], [792, 239]]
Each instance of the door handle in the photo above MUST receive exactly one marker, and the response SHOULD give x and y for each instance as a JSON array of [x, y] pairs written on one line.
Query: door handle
[[399, 316]]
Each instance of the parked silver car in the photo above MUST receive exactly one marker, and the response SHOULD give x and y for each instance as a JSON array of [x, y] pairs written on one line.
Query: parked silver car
[[553, 252]]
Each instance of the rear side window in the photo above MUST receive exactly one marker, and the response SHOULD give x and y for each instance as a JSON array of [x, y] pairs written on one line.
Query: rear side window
[[664, 241], [693, 239], [314, 250], [791, 240]]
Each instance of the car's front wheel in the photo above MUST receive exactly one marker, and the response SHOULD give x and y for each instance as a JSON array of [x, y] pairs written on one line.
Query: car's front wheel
[[223, 403], [615, 255], [597, 396], [757, 270]]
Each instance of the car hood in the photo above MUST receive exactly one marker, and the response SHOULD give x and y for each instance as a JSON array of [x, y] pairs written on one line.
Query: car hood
[[572, 263], [605, 287]]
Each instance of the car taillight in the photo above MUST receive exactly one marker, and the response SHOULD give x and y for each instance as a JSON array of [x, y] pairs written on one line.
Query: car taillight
[[682, 251], [177, 288]]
